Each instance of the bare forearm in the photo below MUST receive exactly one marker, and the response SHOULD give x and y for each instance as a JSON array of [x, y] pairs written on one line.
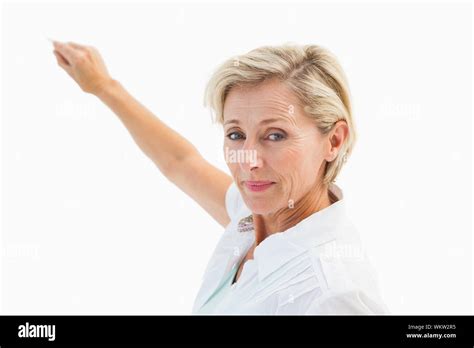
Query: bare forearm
[[176, 157], [160, 143]]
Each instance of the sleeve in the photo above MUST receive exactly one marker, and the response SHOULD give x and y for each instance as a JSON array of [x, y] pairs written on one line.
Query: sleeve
[[350, 302], [233, 201]]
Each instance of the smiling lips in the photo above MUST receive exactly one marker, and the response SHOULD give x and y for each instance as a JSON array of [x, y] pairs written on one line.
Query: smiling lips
[[258, 186]]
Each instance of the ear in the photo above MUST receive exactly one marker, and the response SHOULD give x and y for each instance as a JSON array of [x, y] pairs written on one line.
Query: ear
[[336, 138]]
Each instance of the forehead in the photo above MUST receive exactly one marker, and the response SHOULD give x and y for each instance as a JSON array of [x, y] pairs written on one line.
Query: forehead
[[269, 98]]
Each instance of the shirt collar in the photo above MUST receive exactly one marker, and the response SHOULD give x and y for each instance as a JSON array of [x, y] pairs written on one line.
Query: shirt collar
[[280, 248]]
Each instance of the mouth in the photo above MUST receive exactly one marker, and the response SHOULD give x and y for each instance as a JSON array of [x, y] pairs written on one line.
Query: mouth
[[258, 186]]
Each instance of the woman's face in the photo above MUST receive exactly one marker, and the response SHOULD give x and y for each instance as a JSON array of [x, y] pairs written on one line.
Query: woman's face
[[268, 138]]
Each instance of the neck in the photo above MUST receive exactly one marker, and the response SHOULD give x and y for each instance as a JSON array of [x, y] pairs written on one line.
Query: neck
[[315, 200]]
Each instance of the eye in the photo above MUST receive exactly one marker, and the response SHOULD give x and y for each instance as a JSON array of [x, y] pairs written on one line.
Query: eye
[[278, 137], [233, 138]]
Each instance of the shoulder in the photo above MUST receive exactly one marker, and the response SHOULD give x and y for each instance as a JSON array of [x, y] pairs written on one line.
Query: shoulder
[[341, 278], [347, 281], [352, 301]]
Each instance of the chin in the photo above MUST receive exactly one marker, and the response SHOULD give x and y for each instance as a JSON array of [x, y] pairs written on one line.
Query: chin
[[260, 211], [263, 207]]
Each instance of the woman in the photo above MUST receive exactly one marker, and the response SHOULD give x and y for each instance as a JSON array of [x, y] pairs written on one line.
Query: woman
[[288, 247]]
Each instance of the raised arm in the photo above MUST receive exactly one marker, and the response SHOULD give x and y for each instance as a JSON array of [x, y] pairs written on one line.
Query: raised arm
[[176, 157]]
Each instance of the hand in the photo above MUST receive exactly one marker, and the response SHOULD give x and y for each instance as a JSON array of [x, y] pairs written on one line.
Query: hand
[[84, 64]]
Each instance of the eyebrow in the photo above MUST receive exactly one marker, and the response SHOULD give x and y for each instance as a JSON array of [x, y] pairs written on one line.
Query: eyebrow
[[268, 120]]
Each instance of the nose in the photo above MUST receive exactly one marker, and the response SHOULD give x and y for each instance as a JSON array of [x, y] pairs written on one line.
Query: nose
[[252, 157]]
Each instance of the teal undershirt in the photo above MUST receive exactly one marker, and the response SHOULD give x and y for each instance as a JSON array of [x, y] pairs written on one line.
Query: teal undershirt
[[219, 294]]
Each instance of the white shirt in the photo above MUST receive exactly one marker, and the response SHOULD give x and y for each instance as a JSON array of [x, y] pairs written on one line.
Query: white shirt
[[318, 266]]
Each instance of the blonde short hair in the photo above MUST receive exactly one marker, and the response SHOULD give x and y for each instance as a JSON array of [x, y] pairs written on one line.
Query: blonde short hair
[[311, 72]]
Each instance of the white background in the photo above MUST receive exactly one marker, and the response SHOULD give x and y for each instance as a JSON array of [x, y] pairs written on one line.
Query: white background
[[89, 224]]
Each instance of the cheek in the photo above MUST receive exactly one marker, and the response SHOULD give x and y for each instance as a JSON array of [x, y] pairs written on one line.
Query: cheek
[[285, 161], [290, 167], [297, 168], [234, 170], [227, 150]]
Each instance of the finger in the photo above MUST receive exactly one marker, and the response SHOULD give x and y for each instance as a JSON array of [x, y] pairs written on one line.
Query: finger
[[77, 46], [60, 58], [62, 62], [66, 51]]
